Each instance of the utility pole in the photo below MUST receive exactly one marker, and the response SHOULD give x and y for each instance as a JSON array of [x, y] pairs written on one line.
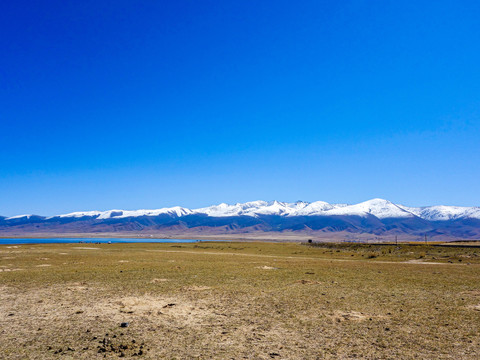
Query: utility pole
[[396, 240], [425, 239]]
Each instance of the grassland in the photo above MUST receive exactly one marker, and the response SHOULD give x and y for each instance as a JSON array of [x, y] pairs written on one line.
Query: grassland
[[239, 300]]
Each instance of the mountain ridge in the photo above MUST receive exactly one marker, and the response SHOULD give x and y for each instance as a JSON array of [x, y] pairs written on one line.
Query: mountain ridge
[[380, 208], [378, 217]]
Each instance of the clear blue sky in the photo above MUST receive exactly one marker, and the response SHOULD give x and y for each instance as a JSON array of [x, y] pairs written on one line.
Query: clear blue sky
[[146, 104]]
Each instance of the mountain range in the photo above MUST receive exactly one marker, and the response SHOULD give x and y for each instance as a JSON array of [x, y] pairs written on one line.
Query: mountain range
[[372, 219]]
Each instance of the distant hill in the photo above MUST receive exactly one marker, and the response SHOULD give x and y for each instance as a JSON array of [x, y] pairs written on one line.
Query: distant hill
[[370, 219]]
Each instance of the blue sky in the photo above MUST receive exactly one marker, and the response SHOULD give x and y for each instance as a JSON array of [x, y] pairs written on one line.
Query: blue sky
[[126, 104]]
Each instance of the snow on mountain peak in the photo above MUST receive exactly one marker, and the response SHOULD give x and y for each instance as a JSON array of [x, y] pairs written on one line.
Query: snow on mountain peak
[[315, 208], [117, 214], [382, 208], [79, 214], [444, 213], [26, 216], [253, 208], [379, 208]]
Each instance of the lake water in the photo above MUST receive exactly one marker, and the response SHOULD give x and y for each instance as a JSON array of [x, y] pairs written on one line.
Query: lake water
[[19, 241]]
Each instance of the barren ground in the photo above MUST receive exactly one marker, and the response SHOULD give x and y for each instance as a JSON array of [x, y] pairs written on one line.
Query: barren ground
[[239, 300]]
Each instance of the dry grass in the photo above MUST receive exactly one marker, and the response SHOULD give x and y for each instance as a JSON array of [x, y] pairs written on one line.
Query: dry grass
[[238, 300]]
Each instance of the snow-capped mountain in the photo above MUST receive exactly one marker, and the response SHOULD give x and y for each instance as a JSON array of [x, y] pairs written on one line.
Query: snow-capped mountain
[[377, 207], [177, 211], [443, 213], [376, 216], [380, 208], [26, 216]]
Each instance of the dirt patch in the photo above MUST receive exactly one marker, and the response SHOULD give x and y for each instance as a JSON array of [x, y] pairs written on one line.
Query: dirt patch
[[168, 310], [157, 281], [9, 269], [308, 282], [198, 288], [419, 261], [86, 248], [44, 265], [140, 305], [77, 287], [340, 316], [473, 292], [265, 267]]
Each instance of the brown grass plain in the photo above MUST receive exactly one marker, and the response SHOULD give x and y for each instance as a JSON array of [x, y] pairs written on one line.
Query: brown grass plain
[[229, 300]]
